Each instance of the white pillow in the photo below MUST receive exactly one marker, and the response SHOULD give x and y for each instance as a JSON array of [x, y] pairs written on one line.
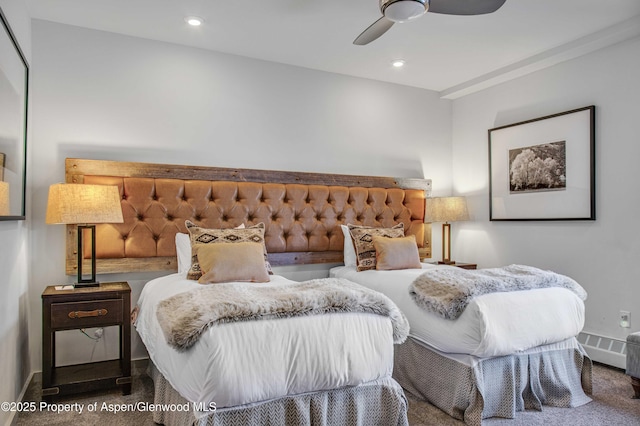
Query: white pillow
[[183, 250], [349, 251]]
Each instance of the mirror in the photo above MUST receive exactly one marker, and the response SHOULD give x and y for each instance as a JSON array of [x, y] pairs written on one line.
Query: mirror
[[14, 80]]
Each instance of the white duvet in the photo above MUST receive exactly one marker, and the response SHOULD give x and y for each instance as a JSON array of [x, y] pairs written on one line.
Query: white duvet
[[492, 325], [246, 362]]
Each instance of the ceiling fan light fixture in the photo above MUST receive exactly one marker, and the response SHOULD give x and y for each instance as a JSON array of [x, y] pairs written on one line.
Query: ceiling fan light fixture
[[403, 10]]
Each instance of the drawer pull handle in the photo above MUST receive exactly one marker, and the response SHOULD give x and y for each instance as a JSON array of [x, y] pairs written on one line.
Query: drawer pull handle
[[85, 314]]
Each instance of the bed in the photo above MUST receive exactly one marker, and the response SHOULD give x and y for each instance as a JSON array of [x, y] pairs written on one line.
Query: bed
[[507, 352], [272, 371], [322, 375]]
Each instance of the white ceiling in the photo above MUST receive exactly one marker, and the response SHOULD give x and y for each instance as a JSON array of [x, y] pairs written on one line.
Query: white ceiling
[[453, 55]]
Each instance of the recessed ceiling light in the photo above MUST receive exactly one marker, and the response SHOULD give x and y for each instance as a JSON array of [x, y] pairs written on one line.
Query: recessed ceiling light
[[398, 63], [194, 21]]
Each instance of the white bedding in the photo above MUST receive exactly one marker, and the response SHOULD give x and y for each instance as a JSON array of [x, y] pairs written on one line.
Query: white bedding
[[245, 362], [492, 325]]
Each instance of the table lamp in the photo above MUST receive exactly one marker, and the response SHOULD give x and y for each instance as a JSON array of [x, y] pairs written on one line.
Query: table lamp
[[84, 205], [4, 198], [446, 209]]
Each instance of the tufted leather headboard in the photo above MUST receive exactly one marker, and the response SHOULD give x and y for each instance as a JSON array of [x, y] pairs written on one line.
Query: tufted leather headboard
[[302, 211]]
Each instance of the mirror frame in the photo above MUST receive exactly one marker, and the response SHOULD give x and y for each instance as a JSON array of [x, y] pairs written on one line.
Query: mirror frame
[[21, 145]]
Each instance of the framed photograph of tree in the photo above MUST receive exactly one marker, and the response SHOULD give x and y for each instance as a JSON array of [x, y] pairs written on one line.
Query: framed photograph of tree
[[544, 169]]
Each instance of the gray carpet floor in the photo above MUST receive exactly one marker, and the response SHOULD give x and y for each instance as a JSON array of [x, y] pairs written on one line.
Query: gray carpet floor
[[612, 405]]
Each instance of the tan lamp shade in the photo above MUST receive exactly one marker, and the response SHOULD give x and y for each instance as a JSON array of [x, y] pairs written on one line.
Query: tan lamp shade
[[446, 209], [83, 204], [4, 198]]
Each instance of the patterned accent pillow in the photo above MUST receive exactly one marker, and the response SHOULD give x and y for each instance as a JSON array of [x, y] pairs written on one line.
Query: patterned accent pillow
[[252, 234], [363, 242], [183, 250]]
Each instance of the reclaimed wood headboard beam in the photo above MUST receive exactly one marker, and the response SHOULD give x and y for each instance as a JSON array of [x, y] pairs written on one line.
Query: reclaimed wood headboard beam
[[76, 168]]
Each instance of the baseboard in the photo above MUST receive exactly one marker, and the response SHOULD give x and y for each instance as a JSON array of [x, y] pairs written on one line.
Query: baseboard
[[605, 350], [11, 421]]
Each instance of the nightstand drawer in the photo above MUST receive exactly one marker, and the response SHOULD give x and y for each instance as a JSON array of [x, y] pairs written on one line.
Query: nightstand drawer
[[95, 313]]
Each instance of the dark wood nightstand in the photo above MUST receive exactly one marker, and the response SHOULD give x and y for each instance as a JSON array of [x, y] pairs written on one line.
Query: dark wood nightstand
[[466, 265], [106, 305], [458, 264]]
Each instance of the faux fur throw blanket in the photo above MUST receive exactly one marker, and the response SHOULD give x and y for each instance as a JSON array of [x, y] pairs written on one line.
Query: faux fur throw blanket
[[185, 316], [448, 291]]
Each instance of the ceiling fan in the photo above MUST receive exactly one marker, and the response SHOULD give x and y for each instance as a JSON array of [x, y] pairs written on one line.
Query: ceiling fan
[[405, 10]]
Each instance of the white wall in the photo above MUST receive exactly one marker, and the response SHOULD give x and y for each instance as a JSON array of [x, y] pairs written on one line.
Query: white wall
[[105, 96], [14, 273], [604, 255]]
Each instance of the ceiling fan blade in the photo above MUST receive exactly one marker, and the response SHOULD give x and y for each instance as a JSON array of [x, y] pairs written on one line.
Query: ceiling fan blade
[[374, 31], [465, 7]]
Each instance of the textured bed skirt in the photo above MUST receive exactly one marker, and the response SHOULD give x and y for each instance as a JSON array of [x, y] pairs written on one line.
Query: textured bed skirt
[[378, 403], [495, 387]]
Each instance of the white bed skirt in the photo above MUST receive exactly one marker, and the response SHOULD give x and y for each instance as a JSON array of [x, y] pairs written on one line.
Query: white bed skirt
[[471, 389], [377, 403]]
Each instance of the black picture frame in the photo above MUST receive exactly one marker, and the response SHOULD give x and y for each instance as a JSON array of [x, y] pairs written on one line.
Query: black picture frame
[[544, 168], [14, 94]]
